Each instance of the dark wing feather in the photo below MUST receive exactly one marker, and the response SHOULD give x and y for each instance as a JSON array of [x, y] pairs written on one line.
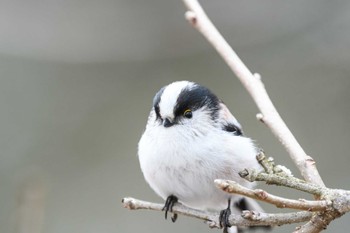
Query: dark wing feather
[[229, 122]]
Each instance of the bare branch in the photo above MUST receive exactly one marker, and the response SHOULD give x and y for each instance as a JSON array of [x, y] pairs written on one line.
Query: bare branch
[[269, 115], [286, 181], [259, 194], [135, 204], [266, 163], [248, 218], [340, 204], [276, 219], [334, 203], [319, 222], [315, 225]]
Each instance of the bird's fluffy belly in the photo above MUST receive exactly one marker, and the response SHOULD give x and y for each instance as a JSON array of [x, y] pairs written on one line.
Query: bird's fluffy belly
[[190, 181], [174, 167]]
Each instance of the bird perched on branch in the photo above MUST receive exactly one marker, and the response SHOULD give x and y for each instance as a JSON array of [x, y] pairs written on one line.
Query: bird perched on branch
[[191, 139]]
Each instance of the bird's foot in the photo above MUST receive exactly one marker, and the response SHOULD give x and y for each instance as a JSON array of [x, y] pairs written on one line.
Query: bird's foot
[[224, 217], [169, 203]]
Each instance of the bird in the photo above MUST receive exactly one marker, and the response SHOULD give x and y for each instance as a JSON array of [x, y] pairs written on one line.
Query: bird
[[191, 139]]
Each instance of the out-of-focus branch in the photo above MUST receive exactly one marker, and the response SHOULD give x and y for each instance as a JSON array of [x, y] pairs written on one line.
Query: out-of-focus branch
[[31, 207], [248, 218], [269, 115]]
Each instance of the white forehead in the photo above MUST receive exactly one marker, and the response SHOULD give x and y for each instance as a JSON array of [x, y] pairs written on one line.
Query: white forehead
[[170, 96]]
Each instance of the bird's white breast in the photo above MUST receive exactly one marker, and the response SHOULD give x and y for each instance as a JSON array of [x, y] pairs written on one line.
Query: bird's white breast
[[185, 162]]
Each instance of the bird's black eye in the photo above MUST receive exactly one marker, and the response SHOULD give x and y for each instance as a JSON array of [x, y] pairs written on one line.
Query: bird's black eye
[[188, 113]]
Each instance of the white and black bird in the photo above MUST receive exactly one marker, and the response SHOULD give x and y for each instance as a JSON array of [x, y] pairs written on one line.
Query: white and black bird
[[191, 139]]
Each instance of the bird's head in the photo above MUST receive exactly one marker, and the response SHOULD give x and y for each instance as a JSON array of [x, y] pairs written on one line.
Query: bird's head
[[185, 103]]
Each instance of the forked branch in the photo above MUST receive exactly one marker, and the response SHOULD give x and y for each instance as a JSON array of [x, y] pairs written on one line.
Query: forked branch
[[331, 203]]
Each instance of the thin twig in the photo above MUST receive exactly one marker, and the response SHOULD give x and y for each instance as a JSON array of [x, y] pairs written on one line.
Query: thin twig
[[276, 219], [286, 181], [280, 202], [266, 163], [248, 218], [269, 115], [135, 204]]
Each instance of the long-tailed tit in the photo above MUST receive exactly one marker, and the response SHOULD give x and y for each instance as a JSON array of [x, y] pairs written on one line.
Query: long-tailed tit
[[191, 139]]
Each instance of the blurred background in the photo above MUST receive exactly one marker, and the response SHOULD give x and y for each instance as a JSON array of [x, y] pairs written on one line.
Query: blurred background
[[77, 79]]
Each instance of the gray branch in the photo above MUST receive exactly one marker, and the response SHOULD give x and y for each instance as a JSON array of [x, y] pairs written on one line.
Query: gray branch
[[286, 181], [248, 218], [280, 202], [329, 204]]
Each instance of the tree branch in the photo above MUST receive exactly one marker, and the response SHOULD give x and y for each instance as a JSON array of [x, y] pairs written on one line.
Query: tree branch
[[259, 194], [280, 175], [286, 181], [248, 218], [135, 204], [269, 115], [334, 203]]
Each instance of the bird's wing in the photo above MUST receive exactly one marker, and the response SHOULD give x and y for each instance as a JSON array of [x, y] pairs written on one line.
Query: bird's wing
[[229, 122]]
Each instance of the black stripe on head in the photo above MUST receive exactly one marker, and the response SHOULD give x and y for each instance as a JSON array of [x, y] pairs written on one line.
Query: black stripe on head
[[195, 97], [156, 101]]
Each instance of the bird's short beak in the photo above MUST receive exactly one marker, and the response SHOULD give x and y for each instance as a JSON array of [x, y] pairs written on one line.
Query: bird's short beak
[[167, 123]]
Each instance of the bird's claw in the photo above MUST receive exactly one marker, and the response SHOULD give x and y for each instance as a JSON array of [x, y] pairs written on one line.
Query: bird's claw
[[224, 218], [169, 203]]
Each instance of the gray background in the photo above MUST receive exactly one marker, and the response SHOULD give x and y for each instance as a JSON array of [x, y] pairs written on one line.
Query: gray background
[[77, 80]]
